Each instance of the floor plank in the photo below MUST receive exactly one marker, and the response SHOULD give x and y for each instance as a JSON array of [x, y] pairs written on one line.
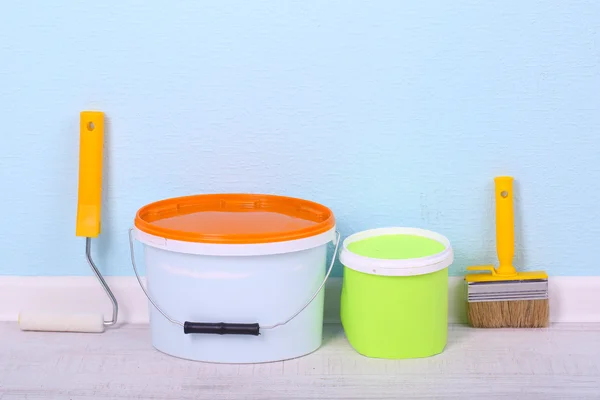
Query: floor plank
[[560, 362]]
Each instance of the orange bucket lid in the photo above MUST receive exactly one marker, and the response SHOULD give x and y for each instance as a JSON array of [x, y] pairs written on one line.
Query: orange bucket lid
[[234, 218]]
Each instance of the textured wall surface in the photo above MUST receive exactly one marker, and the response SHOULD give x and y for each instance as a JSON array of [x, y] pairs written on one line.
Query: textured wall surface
[[390, 113]]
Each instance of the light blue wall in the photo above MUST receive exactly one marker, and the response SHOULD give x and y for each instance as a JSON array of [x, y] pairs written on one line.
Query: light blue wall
[[390, 112]]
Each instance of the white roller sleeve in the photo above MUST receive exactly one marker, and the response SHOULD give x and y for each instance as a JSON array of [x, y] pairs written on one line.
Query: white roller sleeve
[[56, 322]]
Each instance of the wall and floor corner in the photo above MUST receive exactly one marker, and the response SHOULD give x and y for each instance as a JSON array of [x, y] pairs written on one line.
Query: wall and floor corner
[[399, 113]]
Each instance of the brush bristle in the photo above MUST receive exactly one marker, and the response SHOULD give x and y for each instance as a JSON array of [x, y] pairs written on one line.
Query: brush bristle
[[509, 314]]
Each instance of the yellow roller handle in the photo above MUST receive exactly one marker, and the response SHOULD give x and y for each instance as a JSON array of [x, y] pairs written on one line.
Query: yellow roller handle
[[91, 139], [505, 225]]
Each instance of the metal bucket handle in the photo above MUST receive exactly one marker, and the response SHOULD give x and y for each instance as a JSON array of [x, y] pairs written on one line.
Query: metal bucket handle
[[228, 328]]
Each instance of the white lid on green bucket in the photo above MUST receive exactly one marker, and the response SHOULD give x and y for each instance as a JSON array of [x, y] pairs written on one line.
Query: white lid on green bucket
[[397, 252]]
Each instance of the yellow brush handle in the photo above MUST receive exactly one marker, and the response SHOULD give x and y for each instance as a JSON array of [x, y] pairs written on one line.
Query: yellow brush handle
[[91, 139], [505, 225]]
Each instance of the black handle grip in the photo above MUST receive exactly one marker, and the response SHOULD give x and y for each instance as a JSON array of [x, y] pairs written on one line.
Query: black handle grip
[[221, 328]]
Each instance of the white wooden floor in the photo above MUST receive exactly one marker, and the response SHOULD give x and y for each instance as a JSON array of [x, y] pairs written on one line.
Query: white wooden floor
[[561, 362]]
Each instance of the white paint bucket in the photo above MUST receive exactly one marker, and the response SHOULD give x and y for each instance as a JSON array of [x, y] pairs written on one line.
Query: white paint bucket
[[235, 278]]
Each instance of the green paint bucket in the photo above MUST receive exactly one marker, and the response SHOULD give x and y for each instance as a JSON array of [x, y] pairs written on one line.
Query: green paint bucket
[[395, 292]]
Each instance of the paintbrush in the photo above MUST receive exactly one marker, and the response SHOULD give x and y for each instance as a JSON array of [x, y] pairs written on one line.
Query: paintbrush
[[505, 298]]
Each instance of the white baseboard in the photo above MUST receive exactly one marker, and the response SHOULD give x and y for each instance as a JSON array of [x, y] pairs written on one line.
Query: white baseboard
[[572, 299]]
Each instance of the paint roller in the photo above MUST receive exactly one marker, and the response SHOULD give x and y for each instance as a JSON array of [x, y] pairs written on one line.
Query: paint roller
[[91, 134]]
